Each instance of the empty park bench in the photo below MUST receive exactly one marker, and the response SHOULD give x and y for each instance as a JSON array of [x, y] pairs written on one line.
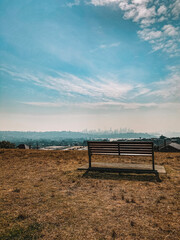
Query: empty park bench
[[124, 148]]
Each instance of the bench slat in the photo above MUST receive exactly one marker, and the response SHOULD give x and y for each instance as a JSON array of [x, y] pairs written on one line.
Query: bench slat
[[125, 152], [135, 149], [116, 147], [121, 148], [106, 151], [94, 148], [123, 145]]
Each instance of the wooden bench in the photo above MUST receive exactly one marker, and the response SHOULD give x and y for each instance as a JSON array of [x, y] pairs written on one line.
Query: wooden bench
[[118, 148]]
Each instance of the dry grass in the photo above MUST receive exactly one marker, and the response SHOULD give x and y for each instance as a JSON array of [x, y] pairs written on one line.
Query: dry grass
[[43, 196]]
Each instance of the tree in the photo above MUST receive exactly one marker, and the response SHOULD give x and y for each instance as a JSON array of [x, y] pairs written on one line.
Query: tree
[[6, 144], [162, 137]]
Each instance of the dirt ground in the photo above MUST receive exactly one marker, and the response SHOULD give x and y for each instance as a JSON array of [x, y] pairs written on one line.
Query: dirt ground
[[44, 196]]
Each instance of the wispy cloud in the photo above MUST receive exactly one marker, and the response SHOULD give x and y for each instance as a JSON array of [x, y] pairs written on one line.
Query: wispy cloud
[[70, 85], [149, 14], [110, 105], [103, 92], [73, 3], [170, 87], [106, 46], [109, 45]]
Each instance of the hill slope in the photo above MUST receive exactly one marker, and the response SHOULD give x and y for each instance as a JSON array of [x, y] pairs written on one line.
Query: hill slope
[[43, 196]]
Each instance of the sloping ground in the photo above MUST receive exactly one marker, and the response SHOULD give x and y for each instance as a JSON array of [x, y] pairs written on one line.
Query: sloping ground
[[43, 196]]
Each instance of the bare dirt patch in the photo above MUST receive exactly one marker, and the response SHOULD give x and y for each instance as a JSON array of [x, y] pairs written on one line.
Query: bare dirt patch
[[43, 196]]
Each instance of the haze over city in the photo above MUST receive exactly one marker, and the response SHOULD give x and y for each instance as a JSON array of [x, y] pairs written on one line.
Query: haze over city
[[94, 64]]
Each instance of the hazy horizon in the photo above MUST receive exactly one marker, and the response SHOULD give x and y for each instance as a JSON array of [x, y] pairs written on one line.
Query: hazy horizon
[[94, 64], [108, 131]]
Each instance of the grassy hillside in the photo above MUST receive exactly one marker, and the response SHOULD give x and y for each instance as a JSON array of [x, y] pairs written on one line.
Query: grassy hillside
[[43, 196]]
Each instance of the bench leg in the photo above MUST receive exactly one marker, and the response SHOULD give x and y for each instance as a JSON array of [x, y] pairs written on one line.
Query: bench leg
[[157, 176], [89, 161]]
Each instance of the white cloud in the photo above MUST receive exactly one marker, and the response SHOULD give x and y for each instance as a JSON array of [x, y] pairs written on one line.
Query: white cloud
[[75, 3], [161, 19], [162, 10], [109, 45], [103, 2], [144, 13], [141, 1], [130, 14], [149, 14], [104, 46], [176, 8], [137, 10], [165, 39], [170, 30], [125, 6], [147, 22], [148, 34]]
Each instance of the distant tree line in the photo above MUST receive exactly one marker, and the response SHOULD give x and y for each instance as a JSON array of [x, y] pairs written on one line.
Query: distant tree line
[[41, 143]]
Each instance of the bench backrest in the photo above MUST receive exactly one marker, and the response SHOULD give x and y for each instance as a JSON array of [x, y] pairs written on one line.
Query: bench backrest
[[121, 148]]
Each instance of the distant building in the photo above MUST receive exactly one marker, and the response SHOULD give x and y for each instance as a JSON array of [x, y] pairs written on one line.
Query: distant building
[[175, 140], [172, 147], [23, 146]]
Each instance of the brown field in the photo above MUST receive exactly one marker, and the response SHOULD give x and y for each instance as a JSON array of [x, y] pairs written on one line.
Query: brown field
[[44, 196]]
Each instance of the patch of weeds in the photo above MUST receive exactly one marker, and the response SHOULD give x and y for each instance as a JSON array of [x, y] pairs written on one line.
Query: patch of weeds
[[133, 234], [132, 223], [21, 217], [113, 234], [32, 232], [155, 225], [160, 198], [122, 197], [114, 197], [69, 193], [52, 195], [17, 190]]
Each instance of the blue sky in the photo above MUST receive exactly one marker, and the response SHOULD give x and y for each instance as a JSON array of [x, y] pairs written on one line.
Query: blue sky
[[71, 65]]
